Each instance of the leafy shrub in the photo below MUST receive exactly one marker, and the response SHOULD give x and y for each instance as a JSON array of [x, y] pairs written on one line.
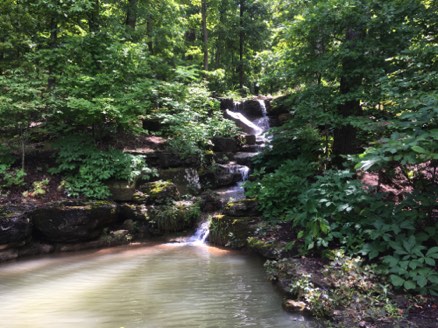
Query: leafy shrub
[[277, 192], [39, 188], [191, 118], [87, 168], [328, 211], [11, 177], [288, 143]]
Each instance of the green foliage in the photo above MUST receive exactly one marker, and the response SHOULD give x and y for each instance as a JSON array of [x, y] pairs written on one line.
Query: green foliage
[[278, 192], [288, 142], [39, 189], [11, 177], [325, 212], [412, 266], [191, 118], [87, 168]]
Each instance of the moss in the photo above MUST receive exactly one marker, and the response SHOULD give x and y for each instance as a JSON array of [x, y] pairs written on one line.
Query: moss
[[231, 231], [259, 244], [157, 192], [160, 186]]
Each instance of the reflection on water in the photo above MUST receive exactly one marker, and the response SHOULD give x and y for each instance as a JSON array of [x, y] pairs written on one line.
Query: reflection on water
[[167, 285]]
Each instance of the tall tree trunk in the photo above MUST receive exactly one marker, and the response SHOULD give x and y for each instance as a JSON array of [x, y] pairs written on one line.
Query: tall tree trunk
[[2, 57], [149, 31], [131, 14], [53, 43], [241, 43], [204, 33], [93, 17], [345, 136]]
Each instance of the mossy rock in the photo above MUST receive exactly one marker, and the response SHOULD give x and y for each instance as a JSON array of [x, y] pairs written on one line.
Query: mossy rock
[[231, 231], [242, 208], [186, 179], [176, 217], [133, 212], [136, 219], [15, 227], [157, 192], [71, 222]]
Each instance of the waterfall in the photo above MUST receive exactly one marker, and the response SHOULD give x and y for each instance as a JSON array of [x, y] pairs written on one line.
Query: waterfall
[[201, 233], [263, 122], [245, 124], [257, 125]]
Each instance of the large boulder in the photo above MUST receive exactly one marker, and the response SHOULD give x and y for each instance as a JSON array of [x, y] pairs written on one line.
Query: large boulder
[[15, 227], [227, 103], [225, 145], [72, 222], [252, 108]]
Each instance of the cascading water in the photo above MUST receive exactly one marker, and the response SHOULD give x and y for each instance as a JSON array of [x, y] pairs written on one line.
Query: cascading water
[[245, 123], [257, 127], [262, 122], [201, 234]]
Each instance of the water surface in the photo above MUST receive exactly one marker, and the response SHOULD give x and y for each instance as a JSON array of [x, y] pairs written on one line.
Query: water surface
[[160, 286]]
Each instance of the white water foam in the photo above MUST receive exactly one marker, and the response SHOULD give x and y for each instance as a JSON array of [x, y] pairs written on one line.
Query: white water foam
[[201, 234]]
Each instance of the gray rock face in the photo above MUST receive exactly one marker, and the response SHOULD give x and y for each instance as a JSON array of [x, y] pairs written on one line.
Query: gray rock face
[[15, 227], [226, 103], [186, 180], [210, 202], [245, 158], [224, 175], [71, 222], [251, 108], [225, 145]]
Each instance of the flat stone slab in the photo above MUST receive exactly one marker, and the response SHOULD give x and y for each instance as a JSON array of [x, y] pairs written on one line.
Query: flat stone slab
[[244, 158]]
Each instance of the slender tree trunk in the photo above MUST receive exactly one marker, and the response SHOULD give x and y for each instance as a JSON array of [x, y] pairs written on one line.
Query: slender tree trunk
[[150, 31], [53, 43], [131, 14], [241, 43], [2, 57], [345, 136], [204, 33], [93, 17]]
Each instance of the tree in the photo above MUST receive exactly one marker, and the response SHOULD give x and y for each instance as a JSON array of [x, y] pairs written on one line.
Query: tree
[[204, 33]]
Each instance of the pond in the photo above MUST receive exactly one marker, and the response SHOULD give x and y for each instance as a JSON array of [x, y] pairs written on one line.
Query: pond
[[165, 285]]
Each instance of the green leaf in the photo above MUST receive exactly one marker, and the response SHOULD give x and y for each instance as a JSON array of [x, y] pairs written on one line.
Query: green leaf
[[409, 284], [421, 281], [391, 260], [433, 252], [433, 278], [396, 280], [429, 261], [420, 150]]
